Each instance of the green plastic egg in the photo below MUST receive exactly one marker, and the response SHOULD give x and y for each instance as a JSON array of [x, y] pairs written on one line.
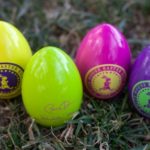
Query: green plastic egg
[[51, 87]]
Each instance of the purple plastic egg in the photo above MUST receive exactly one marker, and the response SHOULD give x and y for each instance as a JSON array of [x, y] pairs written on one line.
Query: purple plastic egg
[[103, 59], [139, 83]]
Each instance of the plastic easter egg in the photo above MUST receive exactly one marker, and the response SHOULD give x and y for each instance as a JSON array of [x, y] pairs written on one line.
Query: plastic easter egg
[[139, 83], [15, 52], [103, 59], [52, 87]]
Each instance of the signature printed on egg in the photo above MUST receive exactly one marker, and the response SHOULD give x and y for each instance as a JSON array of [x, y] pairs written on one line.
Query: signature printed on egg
[[52, 107]]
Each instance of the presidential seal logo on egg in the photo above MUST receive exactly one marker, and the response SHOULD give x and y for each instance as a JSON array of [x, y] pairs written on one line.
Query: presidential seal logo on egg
[[10, 80], [141, 97], [105, 81]]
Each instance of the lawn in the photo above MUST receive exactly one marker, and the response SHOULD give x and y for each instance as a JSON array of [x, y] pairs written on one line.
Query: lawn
[[99, 125]]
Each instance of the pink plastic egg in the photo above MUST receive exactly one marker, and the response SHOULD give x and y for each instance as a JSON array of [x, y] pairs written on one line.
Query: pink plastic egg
[[103, 59]]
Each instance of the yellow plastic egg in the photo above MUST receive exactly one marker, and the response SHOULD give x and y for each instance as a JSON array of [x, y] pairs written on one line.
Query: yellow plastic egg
[[15, 52]]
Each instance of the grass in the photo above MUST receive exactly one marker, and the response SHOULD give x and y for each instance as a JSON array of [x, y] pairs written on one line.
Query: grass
[[99, 125]]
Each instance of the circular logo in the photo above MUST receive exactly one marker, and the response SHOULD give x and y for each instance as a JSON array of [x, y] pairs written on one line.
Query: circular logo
[[10, 80], [141, 97], [105, 81]]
